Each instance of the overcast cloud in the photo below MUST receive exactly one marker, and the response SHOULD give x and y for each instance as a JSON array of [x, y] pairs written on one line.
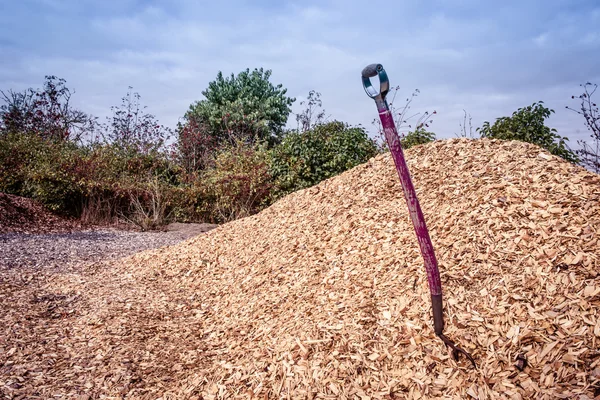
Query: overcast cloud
[[488, 59]]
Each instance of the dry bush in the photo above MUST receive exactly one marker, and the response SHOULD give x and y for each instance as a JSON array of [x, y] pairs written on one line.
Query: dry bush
[[150, 207]]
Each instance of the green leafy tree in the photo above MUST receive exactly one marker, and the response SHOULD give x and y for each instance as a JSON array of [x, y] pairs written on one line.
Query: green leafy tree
[[417, 137], [247, 105], [303, 159], [527, 125]]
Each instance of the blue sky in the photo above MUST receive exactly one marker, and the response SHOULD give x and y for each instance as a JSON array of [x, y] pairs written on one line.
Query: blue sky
[[488, 58]]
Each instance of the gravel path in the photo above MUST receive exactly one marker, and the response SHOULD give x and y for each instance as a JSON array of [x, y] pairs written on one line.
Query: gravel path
[[62, 251]]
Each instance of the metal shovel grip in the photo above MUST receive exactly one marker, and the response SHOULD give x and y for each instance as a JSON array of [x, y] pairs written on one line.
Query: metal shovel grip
[[371, 71]]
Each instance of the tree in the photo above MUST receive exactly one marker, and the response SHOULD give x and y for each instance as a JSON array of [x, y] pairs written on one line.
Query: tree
[[417, 137], [590, 153], [46, 113], [247, 105], [527, 125], [303, 159], [132, 129]]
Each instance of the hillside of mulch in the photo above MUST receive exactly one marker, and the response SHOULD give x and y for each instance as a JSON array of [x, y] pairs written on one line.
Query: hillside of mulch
[[324, 295], [22, 215]]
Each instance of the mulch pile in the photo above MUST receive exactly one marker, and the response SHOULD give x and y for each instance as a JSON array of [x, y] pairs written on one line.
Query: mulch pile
[[22, 215], [324, 294]]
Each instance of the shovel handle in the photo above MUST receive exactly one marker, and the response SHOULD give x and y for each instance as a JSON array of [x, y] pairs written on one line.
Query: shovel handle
[[384, 84], [416, 214]]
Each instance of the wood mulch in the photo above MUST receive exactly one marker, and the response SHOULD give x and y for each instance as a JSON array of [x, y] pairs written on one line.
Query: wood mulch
[[22, 215], [64, 251], [324, 296]]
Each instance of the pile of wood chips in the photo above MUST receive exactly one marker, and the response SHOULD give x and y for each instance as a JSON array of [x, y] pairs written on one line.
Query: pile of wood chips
[[23, 215], [324, 294]]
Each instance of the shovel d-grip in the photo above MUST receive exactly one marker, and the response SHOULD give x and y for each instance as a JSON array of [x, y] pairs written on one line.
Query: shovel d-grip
[[416, 215]]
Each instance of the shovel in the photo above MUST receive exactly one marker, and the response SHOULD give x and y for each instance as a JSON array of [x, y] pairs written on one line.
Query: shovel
[[416, 215]]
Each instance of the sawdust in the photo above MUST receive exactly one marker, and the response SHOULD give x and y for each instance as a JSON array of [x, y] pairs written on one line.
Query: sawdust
[[324, 295]]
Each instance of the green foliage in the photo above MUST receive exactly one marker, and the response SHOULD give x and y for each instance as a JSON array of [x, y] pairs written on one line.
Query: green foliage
[[17, 153], [32, 166], [417, 137], [527, 125], [94, 182], [244, 105], [238, 185], [231, 160], [303, 159]]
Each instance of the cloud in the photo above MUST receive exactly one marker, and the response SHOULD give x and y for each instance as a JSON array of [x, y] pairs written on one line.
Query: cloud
[[488, 59]]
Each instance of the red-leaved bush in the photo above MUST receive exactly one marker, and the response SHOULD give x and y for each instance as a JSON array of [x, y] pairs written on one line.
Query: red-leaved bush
[[45, 113]]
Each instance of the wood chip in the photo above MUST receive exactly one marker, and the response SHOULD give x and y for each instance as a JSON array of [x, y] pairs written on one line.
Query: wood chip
[[324, 295]]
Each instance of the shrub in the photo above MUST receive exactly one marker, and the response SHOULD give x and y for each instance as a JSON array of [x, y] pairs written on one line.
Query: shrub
[[96, 182], [313, 113], [417, 137], [132, 129], [304, 159], [195, 146], [113, 179], [238, 185], [17, 152], [527, 125], [42, 169], [151, 203]]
